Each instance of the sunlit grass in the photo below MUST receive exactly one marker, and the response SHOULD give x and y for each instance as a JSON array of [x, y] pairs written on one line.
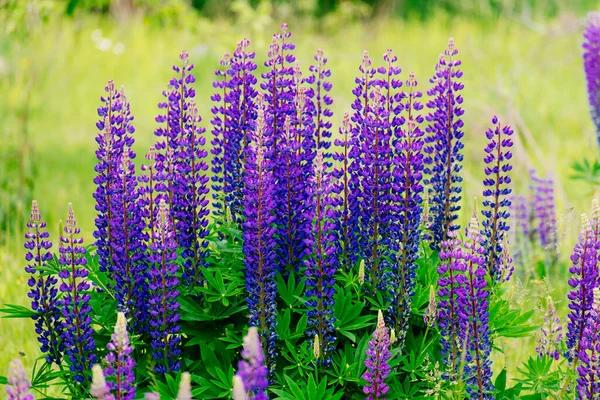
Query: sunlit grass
[[530, 76]]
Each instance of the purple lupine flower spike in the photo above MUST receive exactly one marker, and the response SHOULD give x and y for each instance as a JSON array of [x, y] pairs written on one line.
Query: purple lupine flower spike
[[259, 241], [450, 282], [233, 123], [148, 194], [551, 334], [18, 384], [496, 201], [377, 362], [444, 144], [591, 66], [320, 102], [588, 384], [100, 389], [252, 371], [473, 304], [342, 174], [321, 263], [408, 176], [584, 278], [44, 291], [120, 363], [545, 211], [520, 229], [163, 306], [220, 125], [77, 333]]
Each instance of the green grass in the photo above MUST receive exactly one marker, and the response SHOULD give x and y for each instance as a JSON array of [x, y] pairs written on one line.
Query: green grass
[[530, 75]]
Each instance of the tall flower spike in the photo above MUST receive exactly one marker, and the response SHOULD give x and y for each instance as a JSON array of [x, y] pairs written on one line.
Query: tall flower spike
[[18, 384], [259, 241], [77, 333], [320, 102], [235, 112], [321, 262], [163, 305], [496, 201], [545, 211], [473, 304], [181, 168], [377, 362], [451, 281], [407, 177], [251, 370], [588, 385], [120, 363], [43, 288], [371, 178], [591, 66], [551, 334], [520, 233], [99, 388], [584, 278], [342, 174], [431, 313], [444, 144]]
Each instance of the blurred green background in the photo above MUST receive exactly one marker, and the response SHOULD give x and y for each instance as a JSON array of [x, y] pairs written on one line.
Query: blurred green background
[[522, 62]]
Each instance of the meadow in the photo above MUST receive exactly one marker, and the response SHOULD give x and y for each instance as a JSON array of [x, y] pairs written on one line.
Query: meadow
[[527, 72]]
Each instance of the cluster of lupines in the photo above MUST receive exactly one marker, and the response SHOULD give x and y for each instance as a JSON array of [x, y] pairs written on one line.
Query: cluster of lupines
[[250, 382], [591, 65], [464, 310], [550, 332], [298, 212]]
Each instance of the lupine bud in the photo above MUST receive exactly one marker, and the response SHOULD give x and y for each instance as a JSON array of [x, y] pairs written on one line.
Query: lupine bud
[[251, 370], [185, 387], [99, 388], [430, 316], [239, 393], [361, 273], [316, 347], [18, 384], [120, 363]]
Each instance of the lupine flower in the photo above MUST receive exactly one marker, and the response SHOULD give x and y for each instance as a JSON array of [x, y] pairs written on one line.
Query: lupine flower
[[520, 228], [506, 266], [234, 114], [370, 172], [584, 277], [259, 241], [550, 332], [544, 211], [239, 392], [18, 384], [151, 396], [43, 292], [377, 362], [120, 363], [588, 384], [431, 313], [147, 192], [181, 169], [163, 305], [408, 176], [251, 370], [473, 304], [185, 387], [591, 66], [99, 388], [451, 281], [596, 218], [321, 262], [342, 174], [77, 333], [319, 102], [496, 201], [444, 144]]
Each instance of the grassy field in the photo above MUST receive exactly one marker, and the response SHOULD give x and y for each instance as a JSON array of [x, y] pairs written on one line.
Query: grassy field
[[528, 73]]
